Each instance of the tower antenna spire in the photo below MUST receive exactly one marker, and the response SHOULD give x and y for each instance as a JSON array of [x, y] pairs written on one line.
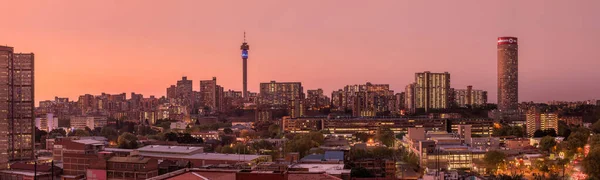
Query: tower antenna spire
[[244, 36]]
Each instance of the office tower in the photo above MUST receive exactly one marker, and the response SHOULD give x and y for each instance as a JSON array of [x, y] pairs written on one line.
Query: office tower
[[245, 48], [537, 120], [508, 74], [16, 106], [470, 97], [279, 94], [432, 90]]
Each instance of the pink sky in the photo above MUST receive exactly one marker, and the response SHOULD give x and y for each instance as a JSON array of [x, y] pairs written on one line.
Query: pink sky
[[140, 46]]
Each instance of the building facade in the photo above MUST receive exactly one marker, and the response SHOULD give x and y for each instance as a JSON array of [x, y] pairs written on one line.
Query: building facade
[[316, 100], [211, 95], [470, 97], [17, 104], [432, 90], [537, 120], [280, 94]]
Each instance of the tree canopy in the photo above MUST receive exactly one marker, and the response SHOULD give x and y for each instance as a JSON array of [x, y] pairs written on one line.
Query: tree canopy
[[494, 158], [506, 130], [302, 143], [110, 133], [386, 136], [127, 141], [547, 143]]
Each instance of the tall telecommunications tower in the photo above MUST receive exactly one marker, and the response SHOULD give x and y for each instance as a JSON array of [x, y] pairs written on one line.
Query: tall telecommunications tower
[[245, 47]]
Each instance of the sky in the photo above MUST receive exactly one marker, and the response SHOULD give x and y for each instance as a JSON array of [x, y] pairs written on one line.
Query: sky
[[144, 46]]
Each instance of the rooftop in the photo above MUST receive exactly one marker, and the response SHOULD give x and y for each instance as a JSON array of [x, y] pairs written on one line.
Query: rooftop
[[129, 159], [207, 156], [118, 150], [89, 141], [170, 149], [334, 169]]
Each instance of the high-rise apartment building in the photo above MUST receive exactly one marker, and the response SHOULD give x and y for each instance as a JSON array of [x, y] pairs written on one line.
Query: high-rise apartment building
[[432, 90], [172, 92], [470, 97], [537, 120], [508, 74], [16, 106], [374, 98], [338, 100], [409, 98], [315, 99], [185, 91], [47, 123], [280, 94], [212, 94]]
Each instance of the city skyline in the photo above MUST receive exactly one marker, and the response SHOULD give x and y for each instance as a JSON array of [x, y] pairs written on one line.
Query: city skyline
[[119, 57]]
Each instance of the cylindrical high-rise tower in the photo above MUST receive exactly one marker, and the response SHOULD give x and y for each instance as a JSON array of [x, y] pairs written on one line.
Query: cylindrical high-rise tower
[[508, 73], [245, 47]]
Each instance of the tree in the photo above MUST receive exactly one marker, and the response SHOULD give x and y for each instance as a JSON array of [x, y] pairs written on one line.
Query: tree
[[110, 133], [364, 137], [262, 144], [228, 131], [39, 134], [171, 136], [274, 131], [127, 141], [508, 177], [240, 148], [80, 133], [302, 143], [247, 133], [596, 126], [506, 130], [595, 140], [186, 138], [563, 129], [547, 143], [61, 132], [227, 140], [163, 123], [360, 172], [386, 136], [577, 139], [542, 133], [591, 163], [493, 159]]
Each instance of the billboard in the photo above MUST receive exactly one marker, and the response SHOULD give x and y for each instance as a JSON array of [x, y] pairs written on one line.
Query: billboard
[[507, 40]]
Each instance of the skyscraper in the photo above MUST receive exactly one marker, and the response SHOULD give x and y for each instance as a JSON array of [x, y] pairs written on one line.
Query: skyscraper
[[432, 90], [211, 94], [245, 47], [508, 74], [16, 106]]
